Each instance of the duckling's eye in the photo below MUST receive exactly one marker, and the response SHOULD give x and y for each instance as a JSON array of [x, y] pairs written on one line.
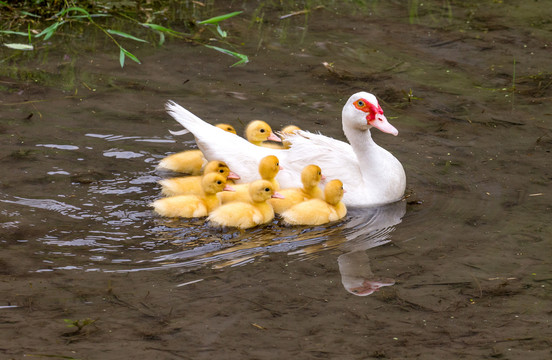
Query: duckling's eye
[[221, 171], [267, 189], [319, 173], [219, 182], [262, 130]]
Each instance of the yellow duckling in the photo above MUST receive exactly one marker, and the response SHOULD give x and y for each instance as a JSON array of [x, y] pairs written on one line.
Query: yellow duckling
[[186, 162], [316, 211], [310, 177], [258, 131], [245, 215], [194, 205], [269, 166], [290, 129], [227, 127], [189, 161], [191, 185]]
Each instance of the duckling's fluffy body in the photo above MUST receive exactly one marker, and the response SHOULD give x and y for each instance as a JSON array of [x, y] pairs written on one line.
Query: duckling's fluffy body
[[191, 185], [245, 215], [197, 205], [310, 177], [186, 162], [189, 161], [317, 211]]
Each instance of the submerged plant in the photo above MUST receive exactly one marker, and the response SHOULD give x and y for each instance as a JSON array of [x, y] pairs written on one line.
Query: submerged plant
[[70, 13]]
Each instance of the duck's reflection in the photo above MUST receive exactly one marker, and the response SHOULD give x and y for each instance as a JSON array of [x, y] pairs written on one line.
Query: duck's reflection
[[363, 229]]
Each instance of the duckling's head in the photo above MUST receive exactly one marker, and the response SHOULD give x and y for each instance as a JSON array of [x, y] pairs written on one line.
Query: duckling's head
[[213, 183], [262, 190], [220, 167], [258, 131], [269, 167], [290, 129], [333, 192], [311, 176], [227, 127]]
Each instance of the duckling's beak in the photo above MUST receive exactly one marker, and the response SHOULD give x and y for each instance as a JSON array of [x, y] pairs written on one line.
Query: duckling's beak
[[228, 188], [277, 195], [233, 176], [273, 137]]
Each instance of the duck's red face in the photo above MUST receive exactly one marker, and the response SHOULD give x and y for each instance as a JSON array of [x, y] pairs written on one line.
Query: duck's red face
[[374, 116]]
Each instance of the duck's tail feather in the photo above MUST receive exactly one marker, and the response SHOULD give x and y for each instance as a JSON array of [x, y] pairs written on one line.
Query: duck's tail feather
[[190, 122], [181, 132]]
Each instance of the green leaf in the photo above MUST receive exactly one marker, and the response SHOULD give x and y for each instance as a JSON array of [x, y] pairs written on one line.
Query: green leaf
[[13, 32], [161, 38], [50, 30], [221, 32], [74, 8], [125, 35], [243, 58], [162, 29], [124, 53], [69, 322], [122, 58], [19, 46], [217, 19]]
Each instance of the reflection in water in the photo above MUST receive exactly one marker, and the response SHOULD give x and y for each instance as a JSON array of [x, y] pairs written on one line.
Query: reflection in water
[[362, 229]]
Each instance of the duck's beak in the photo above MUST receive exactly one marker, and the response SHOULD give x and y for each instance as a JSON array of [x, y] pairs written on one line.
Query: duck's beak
[[381, 123], [273, 137], [228, 188], [233, 176], [277, 195]]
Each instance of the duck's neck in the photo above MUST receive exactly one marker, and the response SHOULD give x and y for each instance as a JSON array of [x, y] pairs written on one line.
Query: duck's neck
[[365, 149]]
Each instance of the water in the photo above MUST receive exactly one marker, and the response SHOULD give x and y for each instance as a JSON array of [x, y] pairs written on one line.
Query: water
[[466, 253]]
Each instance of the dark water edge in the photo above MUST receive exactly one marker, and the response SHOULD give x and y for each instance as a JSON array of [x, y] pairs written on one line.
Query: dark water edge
[[470, 257]]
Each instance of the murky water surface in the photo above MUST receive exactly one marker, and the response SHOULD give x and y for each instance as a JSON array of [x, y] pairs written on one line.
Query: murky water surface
[[460, 269]]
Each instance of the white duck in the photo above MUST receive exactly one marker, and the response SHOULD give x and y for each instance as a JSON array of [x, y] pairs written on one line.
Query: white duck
[[371, 174]]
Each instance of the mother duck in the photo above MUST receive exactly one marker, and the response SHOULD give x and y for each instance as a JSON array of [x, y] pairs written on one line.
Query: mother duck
[[371, 175]]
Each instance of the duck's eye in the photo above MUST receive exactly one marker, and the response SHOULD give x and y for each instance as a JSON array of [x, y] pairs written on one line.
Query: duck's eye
[[267, 189], [360, 103], [262, 130], [219, 182], [319, 173], [221, 171]]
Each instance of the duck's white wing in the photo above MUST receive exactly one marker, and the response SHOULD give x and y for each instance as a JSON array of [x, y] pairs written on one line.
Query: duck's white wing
[[336, 158], [241, 156]]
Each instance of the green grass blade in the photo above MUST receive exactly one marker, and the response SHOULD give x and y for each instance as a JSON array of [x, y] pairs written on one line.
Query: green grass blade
[[29, 14], [74, 8], [19, 46], [9, 32], [125, 35], [217, 19], [243, 58]]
